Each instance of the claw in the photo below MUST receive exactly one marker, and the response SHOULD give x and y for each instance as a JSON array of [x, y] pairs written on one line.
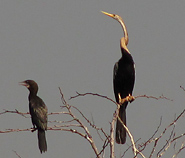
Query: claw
[[34, 129], [120, 100], [130, 98]]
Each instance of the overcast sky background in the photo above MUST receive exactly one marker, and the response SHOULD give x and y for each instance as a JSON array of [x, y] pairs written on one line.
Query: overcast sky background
[[72, 45]]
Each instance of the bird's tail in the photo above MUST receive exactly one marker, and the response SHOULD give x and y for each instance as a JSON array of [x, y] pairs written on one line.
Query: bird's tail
[[42, 140], [120, 130]]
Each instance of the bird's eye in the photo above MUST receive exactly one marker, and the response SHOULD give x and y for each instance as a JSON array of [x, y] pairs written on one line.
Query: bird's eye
[[27, 81]]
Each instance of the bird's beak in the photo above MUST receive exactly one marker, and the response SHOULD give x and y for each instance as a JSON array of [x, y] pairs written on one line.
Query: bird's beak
[[111, 15], [23, 83]]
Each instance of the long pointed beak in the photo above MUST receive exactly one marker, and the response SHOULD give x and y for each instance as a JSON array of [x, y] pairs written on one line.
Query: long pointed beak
[[111, 15]]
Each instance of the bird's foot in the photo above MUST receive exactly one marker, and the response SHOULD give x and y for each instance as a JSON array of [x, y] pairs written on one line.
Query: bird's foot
[[34, 129], [130, 98], [120, 100]]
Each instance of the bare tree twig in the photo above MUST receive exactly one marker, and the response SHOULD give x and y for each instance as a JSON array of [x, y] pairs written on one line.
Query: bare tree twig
[[129, 148], [88, 135], [182, 88], [16, 154], [27, 113], [182, 147], [115, 116], [16, 112], [16, 130], [102, 96], [156, 98], [168, 143], [75, 125], [106, 142], [135, 150], [88, 121], [95, 94], [56, 121], [144, 145]]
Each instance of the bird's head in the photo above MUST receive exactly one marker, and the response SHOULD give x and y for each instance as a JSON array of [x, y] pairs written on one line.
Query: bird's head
[[124, 40], [114, 16], [30, 84]]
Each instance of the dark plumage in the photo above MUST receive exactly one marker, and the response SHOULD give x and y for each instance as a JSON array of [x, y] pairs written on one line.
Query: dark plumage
[[38, 112], [123, 80], [124, 76]]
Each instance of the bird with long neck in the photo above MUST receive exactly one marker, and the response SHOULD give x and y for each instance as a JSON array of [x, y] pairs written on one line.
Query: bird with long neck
[[38, 112], [123, 79]]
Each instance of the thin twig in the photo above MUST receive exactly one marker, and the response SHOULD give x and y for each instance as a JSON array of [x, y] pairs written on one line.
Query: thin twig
[[135, 150], [156, 98], [144, 145], [168, 143], [115, 116], [129, 148], [182, 88], [16, 154], [15, 112], [102, 96], [88, 135]]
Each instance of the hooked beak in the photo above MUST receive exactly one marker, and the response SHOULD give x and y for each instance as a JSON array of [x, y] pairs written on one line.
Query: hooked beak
[[23, 83]]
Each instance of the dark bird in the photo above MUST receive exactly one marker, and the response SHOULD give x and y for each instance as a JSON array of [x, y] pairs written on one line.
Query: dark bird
[[38, 112], [123, 80]]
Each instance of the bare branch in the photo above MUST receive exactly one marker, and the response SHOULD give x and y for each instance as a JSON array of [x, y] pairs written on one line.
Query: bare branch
[[144, 145], [106, 142], [15, 112], [102, 96], [16, 154], [55, 121], [129, 148], [167, 144], [62, 96], [182, 88], [88, 135], [115, 116], [16, 130], [135, 150], [95, 94], [75, 125], [156, 98], [27, 113], [182, 147]]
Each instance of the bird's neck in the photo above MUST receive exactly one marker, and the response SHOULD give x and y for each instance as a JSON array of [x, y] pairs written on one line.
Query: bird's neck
[[125, 32], [123, 44], [32, 94]]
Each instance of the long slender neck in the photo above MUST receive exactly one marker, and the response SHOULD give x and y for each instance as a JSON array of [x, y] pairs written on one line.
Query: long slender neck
[[123, 44], [124, 31], [124, 40]]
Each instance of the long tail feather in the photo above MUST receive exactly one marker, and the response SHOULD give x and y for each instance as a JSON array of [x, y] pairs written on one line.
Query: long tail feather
[[42, 141], [120, 130]]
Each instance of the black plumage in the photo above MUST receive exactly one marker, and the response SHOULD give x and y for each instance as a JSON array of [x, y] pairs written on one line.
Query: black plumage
[[38, 112], [124, 77], [123, 80]]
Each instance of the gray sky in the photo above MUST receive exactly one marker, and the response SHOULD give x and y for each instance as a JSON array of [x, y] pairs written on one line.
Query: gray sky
[[71, 44]]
